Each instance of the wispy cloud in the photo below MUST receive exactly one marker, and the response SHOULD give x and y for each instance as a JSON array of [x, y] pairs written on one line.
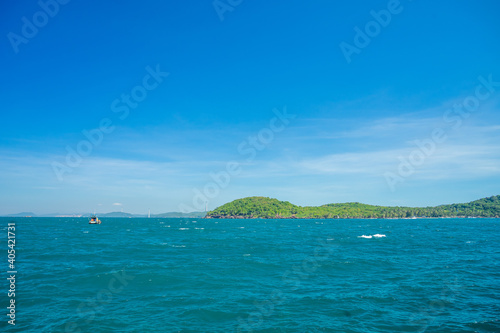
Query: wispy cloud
[[314, 160], [450, 161]]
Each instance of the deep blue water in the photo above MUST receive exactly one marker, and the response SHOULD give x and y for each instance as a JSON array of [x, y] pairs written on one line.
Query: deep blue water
[[195, 275]]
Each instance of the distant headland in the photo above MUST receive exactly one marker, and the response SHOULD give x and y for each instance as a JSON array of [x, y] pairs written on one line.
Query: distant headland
[[268, 208], [112, 215]]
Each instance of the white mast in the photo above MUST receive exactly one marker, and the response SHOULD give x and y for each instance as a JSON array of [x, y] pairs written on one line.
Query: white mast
[[149, 213]]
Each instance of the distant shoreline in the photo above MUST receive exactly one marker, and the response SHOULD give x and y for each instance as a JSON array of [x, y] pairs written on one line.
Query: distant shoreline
[[269, 208], [262, 218], [346, 218]]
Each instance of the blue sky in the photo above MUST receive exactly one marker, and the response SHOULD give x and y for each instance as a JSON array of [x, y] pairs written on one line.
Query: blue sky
[[356, 128]]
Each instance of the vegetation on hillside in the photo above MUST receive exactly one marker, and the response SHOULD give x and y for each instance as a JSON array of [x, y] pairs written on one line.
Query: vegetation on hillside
[[262, 207]]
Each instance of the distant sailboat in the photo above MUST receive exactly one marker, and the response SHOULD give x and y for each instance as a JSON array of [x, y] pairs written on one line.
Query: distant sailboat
[[149, 213]]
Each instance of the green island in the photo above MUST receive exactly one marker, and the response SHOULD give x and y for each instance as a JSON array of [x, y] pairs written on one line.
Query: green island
[[268, 208]]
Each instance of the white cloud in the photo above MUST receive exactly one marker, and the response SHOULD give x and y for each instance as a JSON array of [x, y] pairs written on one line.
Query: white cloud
[[319, 156], [447, 162]]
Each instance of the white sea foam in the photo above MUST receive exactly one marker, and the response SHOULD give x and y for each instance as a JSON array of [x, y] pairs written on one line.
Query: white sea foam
[[371, 236], [183, 228]]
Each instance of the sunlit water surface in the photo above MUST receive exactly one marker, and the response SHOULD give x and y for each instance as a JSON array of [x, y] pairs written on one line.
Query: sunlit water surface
[[196, 275]]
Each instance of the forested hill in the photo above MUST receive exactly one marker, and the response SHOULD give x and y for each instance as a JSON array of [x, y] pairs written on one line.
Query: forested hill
[[262, 207]]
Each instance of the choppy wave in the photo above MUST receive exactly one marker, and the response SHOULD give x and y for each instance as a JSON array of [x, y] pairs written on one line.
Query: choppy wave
[[140, 275], [371, 236]]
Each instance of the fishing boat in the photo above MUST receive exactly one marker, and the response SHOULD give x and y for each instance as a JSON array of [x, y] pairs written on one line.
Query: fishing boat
[[94, 220]]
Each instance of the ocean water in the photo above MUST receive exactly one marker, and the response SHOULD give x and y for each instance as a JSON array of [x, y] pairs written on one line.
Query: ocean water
[[196, 275]]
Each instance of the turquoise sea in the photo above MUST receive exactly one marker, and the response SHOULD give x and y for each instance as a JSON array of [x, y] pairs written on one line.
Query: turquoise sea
[[196, 275]]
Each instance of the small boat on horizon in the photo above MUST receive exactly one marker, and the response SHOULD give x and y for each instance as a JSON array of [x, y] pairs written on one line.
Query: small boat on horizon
[[94, 220]]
